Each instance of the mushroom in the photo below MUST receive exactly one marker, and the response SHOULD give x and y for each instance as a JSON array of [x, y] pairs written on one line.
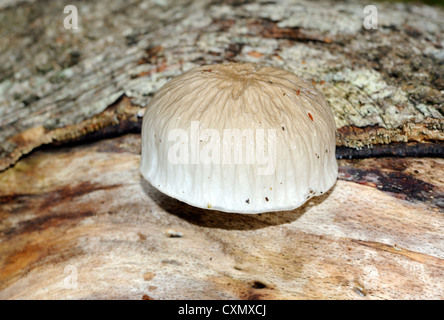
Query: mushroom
[[239, 137]]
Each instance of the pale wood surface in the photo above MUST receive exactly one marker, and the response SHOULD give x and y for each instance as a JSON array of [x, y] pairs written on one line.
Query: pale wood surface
[[378, 234]]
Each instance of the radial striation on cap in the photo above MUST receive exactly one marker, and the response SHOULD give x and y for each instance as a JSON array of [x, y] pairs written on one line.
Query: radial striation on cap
[[239, 137]]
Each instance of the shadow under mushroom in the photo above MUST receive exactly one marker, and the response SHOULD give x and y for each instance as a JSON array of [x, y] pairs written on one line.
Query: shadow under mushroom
[[225, 220]]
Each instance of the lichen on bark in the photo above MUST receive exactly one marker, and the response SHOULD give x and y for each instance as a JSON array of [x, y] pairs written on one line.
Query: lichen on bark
[[388, 79]]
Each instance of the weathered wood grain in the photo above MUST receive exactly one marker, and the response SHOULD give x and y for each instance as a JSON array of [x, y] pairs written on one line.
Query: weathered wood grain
[[72, 199], [378, 234]]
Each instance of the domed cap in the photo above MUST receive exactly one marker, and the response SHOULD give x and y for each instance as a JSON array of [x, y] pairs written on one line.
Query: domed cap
[[239, 137]]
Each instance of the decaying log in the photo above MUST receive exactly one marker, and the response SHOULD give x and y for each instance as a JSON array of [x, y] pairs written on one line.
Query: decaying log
[[377, 234], [78, 221]]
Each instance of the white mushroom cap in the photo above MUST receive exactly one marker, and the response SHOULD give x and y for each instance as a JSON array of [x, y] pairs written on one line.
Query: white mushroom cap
[[288, 147]]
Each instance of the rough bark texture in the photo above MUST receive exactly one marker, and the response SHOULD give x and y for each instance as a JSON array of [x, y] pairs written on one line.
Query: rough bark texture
[[384, 85], [79, 204]]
